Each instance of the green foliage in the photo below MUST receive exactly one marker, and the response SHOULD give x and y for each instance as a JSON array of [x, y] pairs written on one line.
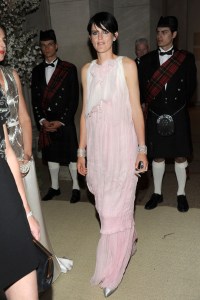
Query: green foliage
[[23, 53]]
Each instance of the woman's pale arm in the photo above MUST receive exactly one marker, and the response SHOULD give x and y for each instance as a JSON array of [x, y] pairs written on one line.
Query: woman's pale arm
[[14, 167], [24, 120], [131, 75], [81, 163]]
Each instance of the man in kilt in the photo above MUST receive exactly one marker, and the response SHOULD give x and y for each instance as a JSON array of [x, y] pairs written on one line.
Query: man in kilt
[[55, 95], [167, 81]]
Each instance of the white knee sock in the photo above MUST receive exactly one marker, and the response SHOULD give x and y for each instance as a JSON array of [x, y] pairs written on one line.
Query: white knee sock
[[54, 171], [73, 173], [180, 170], [158, 172]]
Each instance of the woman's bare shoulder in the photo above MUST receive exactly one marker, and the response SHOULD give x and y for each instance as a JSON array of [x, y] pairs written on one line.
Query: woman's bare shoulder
[[84, 71], [128, 61], [86, 67], [129, 64]]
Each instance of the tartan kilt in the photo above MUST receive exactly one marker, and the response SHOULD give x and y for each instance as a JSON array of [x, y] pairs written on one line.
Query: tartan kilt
[[63, 147], [177, 145]]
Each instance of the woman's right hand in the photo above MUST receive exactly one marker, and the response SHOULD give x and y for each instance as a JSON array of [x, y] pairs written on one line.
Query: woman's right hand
[[81, 166], [35, 227], [24, 166]]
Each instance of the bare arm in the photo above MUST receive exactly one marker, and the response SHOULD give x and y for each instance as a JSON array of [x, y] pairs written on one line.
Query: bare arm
[[24, 120], [14, 167], [82, 144], [130, 70]]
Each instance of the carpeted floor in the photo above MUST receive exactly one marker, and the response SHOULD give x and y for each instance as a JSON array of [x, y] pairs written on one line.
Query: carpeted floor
[[166, 265]]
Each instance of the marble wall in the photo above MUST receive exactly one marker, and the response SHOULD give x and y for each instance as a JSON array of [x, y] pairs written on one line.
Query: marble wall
[[133, 18], [193, 39], [69, 20], [101, 5]]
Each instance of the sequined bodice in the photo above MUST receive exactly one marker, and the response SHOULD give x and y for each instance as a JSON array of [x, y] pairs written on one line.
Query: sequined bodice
[[4, 114], [12, 98]]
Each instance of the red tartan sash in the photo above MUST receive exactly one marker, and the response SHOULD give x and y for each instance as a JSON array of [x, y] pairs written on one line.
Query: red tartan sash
[[54, 84], [163, 74]]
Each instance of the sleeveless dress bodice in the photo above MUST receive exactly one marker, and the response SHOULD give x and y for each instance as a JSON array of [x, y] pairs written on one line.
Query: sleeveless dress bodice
[[14, 129], [4, 114]]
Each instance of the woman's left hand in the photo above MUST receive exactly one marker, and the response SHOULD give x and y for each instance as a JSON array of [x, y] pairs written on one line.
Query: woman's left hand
[[25, 165], [35, 227], [141, 164]]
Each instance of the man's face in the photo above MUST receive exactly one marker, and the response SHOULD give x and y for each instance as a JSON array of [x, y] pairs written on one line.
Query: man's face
[[165, 37], [49, 49], [141, 49]]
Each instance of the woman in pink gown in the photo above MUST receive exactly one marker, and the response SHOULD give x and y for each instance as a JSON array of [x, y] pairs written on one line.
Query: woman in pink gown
[[112, 129]]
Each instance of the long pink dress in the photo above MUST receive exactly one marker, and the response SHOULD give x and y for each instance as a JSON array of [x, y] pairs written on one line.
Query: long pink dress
[[111, 154]]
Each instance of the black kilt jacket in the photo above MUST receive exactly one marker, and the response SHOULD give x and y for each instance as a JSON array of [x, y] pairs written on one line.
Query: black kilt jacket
[[170, 100], [63, 106]]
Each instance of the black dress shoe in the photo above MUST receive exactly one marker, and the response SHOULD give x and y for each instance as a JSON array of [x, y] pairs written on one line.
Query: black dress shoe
[[51, 193], [154, 200], [76, 195], [182, 203]]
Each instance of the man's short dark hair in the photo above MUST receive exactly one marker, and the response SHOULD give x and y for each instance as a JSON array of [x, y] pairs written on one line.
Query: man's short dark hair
[[48, 35], [169, 21]]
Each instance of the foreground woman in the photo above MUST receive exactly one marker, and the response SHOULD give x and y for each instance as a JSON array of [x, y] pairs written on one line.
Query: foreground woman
[[112, 129], [18, 259], [20, 136]]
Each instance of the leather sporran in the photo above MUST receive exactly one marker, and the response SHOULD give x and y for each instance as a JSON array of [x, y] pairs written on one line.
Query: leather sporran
[[45, 268], [165, 125]]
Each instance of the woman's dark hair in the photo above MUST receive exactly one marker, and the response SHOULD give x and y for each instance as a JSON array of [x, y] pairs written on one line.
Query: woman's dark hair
[[104, 19], [3, 28]]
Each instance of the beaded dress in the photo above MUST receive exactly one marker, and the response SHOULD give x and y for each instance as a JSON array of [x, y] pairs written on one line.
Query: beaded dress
[[111, 155], [30, 180], [17, 252]]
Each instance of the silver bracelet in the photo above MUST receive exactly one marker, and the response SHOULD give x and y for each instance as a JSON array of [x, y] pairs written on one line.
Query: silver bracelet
[[81, 152], [29, 214], [142, 149], [24, 168]]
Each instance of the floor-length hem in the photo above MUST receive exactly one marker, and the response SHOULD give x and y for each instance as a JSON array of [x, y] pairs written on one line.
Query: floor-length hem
[[33, 196], [111, 155], [113, 255]]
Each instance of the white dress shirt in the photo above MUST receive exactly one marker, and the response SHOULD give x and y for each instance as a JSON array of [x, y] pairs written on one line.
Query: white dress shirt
[[49, 70], [48, 73], [164, 58]]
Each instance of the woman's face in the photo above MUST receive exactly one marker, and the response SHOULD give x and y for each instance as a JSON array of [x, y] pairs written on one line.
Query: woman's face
[[102, 39], [2, 44]]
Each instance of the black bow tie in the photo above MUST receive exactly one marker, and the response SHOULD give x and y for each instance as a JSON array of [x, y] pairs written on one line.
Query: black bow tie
[[170, 52], [51, 64]]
